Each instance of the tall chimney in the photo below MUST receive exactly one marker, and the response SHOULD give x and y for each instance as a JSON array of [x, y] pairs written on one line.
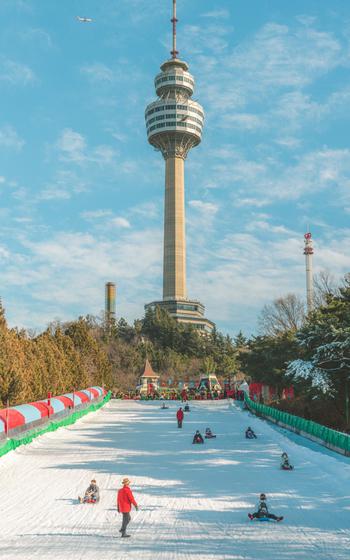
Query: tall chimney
[[110, 297], [308, 252]]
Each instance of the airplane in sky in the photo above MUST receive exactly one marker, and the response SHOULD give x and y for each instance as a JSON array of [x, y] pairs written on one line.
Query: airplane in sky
[[84, 19]]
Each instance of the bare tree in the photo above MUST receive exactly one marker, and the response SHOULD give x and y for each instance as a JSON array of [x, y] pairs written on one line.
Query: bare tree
[[283, 314], [324, 286]]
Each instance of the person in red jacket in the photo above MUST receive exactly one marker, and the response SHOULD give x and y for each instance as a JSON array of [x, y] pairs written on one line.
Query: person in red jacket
[[180, 417], [125, 500]]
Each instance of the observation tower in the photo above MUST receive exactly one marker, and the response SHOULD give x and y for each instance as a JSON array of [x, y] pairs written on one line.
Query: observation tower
[[174, 125]]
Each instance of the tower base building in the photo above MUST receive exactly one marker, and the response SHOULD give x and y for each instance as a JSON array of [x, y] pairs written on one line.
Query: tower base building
[[185, 312]]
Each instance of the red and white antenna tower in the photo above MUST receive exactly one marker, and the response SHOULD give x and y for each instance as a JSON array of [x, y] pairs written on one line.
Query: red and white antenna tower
[[308, 252], [174, 21]]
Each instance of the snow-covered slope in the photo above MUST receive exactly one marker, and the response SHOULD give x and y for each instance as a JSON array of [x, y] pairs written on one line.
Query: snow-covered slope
[[193, 499]]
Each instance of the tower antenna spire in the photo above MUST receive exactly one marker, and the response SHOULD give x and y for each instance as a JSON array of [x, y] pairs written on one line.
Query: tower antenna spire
[[174, 21]]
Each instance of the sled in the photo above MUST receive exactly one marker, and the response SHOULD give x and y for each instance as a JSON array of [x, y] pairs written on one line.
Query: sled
[[88, 501], [264, 519]]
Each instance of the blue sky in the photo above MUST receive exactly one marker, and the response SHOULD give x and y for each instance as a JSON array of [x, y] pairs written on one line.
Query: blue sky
[[81, 191]]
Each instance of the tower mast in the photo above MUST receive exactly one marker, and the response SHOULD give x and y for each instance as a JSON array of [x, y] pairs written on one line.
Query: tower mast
[[174, 21]]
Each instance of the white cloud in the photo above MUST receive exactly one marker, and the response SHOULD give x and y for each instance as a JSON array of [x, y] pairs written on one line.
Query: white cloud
[[275, 56], [15, 73], [271, 179], [72, 146], [9, 138], [243, 121], [217, 14], [207, 208], [104, 155], [258, 202], [120, 222], [149, 210], [37, 35], [95, 214], [242, 272], [4, 253], [264, 225], [76, 266], [98, 72], [65, 184]]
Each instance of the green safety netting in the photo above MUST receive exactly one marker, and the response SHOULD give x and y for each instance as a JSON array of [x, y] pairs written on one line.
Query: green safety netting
[[325, 434], [11, 444]]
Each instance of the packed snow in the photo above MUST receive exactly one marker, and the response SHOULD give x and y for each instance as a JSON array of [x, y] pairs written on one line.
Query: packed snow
[[193, 500]]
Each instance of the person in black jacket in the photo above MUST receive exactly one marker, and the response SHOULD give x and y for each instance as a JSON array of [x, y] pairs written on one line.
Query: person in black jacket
[[92, 493], [263, 512], [197, 438], [249, 434]]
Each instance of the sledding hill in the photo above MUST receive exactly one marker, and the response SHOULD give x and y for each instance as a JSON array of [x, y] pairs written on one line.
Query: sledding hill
[[193, 499]]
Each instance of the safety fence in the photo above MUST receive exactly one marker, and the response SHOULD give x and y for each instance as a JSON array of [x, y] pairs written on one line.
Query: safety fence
[[28, 437], [307, 428]]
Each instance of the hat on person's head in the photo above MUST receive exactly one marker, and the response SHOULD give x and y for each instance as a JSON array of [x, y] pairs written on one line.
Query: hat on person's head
[[93, 480], [125, 481]]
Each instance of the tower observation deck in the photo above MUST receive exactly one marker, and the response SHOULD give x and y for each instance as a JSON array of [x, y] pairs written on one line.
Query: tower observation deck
[[174, 125]]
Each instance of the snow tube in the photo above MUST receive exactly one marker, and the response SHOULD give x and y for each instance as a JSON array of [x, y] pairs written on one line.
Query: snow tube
[[56, 404], [95, 392], [44, 409], [88, 393], [83, 398], [264, 519], [14, 417], [29, 412]]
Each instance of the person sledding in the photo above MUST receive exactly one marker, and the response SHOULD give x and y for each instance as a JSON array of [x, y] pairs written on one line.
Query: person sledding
[[263, 512], [92, 494], [187, 407], [285, 464], [198, 438], [209, 434], [250, 434]]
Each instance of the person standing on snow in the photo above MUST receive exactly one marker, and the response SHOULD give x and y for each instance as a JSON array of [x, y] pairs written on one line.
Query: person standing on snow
[[180, 417], [125, 500]]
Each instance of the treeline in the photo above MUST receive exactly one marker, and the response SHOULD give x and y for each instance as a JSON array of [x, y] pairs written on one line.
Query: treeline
[[88, 351], [63, 358], [176, 352], [310, 351]]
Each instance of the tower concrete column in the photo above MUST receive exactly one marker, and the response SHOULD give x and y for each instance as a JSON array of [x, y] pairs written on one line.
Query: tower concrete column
[[174, 264]]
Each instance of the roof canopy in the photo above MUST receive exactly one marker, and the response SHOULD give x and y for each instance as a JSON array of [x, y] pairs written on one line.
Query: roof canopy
[[148, 371]]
